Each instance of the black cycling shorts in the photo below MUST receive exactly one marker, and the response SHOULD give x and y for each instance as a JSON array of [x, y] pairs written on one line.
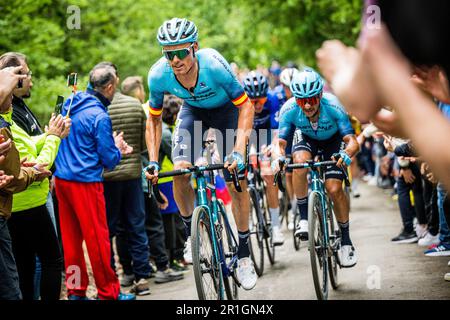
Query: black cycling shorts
[[326, 147], [191, 130]]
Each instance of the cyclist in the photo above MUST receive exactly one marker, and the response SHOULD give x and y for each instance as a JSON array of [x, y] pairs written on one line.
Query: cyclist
[[213, 98], [324, 125], [267, 107]]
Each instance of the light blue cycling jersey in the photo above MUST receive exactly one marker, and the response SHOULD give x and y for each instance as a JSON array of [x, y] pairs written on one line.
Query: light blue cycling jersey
[[332, 119], [216, 85]]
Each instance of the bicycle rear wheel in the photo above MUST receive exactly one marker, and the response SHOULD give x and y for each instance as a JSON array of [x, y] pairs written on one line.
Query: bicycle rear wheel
[[268, 236], [256, 237], [318, 248], [296, 239], [335, 241], [207, 268], [284, 209]]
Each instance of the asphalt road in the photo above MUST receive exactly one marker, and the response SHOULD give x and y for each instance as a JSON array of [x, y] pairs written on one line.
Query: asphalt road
[[384, 271]]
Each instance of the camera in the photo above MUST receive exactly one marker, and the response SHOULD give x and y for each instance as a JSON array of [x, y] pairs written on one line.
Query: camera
[[59, 104], [72, 80]]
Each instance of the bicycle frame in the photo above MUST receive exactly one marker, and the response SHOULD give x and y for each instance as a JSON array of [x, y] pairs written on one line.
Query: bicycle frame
[[212, 207], [317, 185]]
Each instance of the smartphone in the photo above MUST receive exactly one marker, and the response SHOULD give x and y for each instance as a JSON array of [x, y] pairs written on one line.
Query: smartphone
[[59, 104], [72, 79]]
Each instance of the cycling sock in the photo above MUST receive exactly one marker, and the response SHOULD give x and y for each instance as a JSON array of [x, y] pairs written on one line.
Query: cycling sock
[[345, 233], [187, 224], [243, 249], [302, 204], [275, 216]]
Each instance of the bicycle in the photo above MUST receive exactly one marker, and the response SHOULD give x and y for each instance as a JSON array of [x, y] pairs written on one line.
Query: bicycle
[[324, 235], [260, 225], [214, 244]]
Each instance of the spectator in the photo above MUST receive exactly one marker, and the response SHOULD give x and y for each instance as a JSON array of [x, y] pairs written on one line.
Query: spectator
[[10, 164], [443, 248], [153, 221], [123, 188], [90, 148], [9, 78], [409, 180], [31, 227]]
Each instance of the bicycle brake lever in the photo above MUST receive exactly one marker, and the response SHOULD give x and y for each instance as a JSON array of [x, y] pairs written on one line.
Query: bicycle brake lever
[[235, 178]]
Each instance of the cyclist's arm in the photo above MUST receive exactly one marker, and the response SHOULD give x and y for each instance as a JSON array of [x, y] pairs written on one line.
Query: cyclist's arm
[[153, 132], [245, 125], [280, 150], [153, 135], [352, 145]]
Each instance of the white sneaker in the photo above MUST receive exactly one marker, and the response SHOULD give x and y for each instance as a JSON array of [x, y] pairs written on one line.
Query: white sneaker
[[291, 221], [187, 252], [302, 230], [447, 277], [421, 230], [373, 181], [347, 256], [246, 273], [277, 236], [428, 240], [291, 225]]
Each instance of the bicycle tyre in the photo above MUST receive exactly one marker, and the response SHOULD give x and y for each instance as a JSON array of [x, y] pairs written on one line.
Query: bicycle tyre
[[256, 233], [318, 253], [204, 261], [335, 244], [297, 240]]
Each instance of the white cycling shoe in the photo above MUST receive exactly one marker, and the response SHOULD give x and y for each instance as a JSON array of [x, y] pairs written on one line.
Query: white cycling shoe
[[277, 236], [347, 256], [246, 273], [301, 230], [187, 252]]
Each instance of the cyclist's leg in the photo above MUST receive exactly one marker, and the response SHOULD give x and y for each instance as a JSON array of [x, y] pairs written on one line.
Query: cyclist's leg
[[333, 179], [303, 150], [225, 120], [184, 150], [271, 190], [333, 184]]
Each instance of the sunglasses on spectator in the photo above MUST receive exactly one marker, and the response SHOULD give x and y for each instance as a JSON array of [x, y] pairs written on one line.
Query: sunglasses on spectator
[[259, 100], [180, 53], [311, 101]]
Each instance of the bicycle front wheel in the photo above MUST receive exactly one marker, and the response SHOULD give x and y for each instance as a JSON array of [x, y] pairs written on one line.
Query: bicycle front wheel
[[207, 268], [318, 247]]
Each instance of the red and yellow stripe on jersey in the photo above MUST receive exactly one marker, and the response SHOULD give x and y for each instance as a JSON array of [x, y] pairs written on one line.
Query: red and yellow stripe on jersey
[[240, 100], [154, 111]]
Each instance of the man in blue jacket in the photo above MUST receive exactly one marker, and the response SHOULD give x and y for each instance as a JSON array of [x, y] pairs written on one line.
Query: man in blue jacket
[[90, 148]]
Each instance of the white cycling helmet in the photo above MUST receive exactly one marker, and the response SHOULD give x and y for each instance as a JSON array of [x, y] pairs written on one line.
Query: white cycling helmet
[[287, 75], [177, 31]]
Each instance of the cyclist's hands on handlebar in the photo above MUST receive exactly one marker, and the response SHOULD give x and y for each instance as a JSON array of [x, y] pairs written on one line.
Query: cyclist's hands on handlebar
[[151, 172], [234, 160], [278, 164], [342, 158]]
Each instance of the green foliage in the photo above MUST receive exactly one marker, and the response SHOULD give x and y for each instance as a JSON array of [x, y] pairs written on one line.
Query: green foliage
[[251, 33]]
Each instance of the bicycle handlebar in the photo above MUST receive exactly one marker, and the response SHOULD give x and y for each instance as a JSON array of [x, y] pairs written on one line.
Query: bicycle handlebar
[[181, 172], [310, 164]]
